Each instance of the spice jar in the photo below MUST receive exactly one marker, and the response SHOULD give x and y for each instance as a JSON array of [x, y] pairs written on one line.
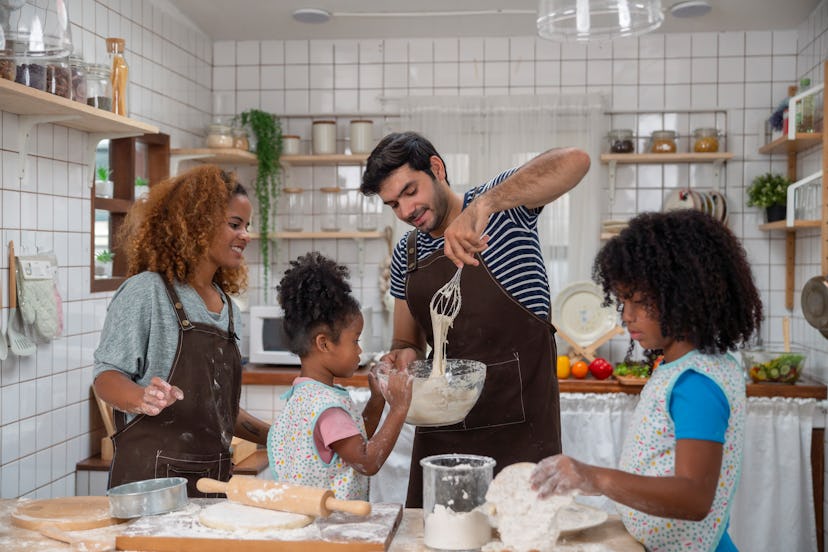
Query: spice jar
[[621, 140], [77, 69], [8, 69], [119, 75], [324, 137], [59, 78], [705, 140], [30, 74], [294, 219], [219, 136], [361, 135], [290, 144], [331, 199], [240, 140], [98, 86], [663, 141]]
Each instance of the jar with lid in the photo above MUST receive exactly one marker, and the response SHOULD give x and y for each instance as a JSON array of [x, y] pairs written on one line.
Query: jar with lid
[[120, 74], [362, 139], [98, 87], [8, 68], [324, 137], [706, 140], [59, 78], [293, 220], [331, 205], [240, 140], [77, 70], [621, 140], [663, 141], [370, 211], [290, 144], [219, 136], [31, 73]]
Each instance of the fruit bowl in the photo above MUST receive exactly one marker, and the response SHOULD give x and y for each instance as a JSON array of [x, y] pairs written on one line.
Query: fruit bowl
[[773, 366], [439, 400]]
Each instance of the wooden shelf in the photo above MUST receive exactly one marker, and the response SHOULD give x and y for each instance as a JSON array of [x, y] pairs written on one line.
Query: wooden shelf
[[334, 159], [24, 100], [229, 156], [798, 224], [656, 158], [322, 235], [803, 141]]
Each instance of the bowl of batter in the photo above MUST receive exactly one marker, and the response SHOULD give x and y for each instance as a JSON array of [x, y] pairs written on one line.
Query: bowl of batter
[[439, 399]]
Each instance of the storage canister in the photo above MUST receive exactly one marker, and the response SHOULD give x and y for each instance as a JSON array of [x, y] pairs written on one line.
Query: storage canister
[[331, 205], [324, 137], [621, 140], [98, 86], [705, 140], [362, 135], [219, 136], [294, 219], [663, 141], [240, 140], [59, 78], [77, 68], [290, 144]]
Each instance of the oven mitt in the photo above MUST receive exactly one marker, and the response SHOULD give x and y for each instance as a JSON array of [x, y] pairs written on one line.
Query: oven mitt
[[38, 299]]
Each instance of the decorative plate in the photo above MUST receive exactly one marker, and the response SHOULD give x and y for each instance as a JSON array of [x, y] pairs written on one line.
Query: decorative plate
[[680, 198], [577, 311], [578, 517]]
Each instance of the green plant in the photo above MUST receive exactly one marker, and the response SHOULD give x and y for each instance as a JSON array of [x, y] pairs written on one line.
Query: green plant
[[267, 130], [104, 256], [768, 189], [140, 181], [103, 173]]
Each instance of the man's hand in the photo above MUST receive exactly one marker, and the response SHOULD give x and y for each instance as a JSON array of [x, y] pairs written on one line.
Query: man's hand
[[464, 236], [400, 358]]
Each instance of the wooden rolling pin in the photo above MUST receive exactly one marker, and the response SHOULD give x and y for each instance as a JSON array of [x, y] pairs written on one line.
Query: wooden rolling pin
[[281, 496]]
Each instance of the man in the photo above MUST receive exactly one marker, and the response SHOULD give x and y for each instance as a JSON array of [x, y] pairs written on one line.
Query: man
[[491, 231]]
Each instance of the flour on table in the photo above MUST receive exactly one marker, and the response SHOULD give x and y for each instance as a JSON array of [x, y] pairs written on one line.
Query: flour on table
[[230, 516], [449, 530], [524, 521]]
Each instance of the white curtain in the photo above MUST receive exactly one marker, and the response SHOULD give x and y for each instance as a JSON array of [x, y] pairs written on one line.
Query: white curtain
[[480, 136]]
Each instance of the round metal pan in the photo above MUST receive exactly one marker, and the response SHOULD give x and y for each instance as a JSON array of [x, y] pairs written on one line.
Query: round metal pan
[[148, 497], [815, 302]]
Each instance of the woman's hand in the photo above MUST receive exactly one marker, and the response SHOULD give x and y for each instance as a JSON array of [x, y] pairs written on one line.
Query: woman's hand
[[561, 475], [157, 396]]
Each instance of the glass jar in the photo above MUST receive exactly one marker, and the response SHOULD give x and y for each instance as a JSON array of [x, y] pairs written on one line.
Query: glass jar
[[294, 219], [331, 204], [8, 68], [369, 213], [30, 73], [77, 69], [621, 140], [59, 78], [663, 141], [98, 86], [290, 144], [324, 137], [240, 140], [219, 136], [119, 75], [706, 140]]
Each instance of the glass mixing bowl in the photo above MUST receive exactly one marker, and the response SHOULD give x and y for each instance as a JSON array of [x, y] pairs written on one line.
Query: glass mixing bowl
[[773, 366]]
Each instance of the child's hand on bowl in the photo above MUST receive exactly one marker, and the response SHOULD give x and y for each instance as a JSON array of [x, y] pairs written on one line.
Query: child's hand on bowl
[[398, 391]]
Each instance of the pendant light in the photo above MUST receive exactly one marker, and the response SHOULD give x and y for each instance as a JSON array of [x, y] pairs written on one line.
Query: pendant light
[[593, 20]]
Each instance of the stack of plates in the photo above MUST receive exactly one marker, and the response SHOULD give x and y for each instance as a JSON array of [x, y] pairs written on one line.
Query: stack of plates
[[711, 202]]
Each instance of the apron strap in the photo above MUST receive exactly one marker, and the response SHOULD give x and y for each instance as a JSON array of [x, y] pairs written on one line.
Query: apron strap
[[178, 306], [411, 252]]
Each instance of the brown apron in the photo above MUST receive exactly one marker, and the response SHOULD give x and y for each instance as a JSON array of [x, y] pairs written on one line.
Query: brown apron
[[190, 438], [517, 417]]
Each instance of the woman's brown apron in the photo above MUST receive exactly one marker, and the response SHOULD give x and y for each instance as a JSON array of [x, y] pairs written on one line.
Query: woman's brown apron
[[517, 417], [190, 438]]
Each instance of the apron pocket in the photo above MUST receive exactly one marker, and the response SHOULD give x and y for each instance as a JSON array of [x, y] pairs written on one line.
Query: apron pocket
[[193, 467]]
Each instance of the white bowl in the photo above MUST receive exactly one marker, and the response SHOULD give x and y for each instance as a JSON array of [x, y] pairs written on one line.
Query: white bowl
[[439, 400]]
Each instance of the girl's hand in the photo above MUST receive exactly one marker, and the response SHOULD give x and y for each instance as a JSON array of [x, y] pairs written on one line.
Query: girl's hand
[[561, 475], [157, 396], [399, 389]]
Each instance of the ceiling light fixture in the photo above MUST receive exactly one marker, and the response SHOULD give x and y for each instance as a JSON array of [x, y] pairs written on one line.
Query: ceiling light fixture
[[690, 8], [593, 20], [311, 15]]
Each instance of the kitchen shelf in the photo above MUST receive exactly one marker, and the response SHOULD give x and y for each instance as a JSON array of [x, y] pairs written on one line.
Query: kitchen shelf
[[230, 156], [798, 224], [803, 141], [333, 159], [321, 235]]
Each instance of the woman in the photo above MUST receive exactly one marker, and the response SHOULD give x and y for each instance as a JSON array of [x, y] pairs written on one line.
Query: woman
[[168, 360]]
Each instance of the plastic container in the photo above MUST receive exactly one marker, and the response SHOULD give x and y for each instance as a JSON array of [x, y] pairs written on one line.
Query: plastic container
[[362, 135], [331, 206], [77, 69], [621, 140], [454, 486], [706, 140], [324, 137], [98, 86], [663, 141], [219, 136], [119, 75], [293, 220], [290, 144]]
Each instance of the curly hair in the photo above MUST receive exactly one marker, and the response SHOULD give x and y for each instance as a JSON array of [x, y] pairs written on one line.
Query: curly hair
[[316, 298], [691, 270], [170, 231], [394, 151]]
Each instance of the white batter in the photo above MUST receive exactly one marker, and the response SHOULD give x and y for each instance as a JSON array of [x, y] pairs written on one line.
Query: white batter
[[433, 400], [440, 324], [230, 516]]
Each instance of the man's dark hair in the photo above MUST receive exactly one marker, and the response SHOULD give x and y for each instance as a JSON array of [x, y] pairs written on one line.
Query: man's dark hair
[[394, 151]]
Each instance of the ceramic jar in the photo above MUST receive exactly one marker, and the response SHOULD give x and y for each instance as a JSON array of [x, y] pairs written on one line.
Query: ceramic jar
[[362, 136], [324, 137]]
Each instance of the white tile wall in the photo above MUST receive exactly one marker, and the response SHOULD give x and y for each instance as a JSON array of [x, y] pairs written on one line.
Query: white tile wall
[[180, 78]]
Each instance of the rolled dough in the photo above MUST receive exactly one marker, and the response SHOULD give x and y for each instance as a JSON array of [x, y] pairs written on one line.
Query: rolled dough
[[230, 516]]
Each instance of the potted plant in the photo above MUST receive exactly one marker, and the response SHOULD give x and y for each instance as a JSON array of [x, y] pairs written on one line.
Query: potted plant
[[267, 132], [103, 184], [770, 191], [141, 187], [103, 263]]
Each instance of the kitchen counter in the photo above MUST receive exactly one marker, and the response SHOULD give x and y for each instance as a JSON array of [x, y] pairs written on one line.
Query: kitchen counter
[[408, 538]]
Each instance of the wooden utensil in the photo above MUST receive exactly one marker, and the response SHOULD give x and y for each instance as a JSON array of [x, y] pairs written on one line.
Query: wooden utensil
[[72, 513], [786, 333], [107, 450], [280, 496]]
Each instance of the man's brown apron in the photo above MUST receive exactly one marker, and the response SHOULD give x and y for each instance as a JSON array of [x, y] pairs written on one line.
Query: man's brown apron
[[190, 438], [517, 417]]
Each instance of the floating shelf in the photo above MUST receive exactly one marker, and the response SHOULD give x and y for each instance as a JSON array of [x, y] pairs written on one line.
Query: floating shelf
[[229, 156], [662, 158], [322, 235], [798, 225], [333, 159], [803, 141]]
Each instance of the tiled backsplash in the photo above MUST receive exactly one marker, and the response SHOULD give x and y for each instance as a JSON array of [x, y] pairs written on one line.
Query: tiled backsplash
[[179, 76]]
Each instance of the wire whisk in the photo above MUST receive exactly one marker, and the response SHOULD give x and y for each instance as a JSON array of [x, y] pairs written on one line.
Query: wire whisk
[[444, 307]]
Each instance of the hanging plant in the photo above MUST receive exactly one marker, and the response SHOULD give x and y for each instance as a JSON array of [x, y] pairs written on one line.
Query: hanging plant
[[268, 132]]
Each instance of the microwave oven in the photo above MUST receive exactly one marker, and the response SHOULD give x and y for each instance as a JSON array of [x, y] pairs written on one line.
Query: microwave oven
[[268, 342]]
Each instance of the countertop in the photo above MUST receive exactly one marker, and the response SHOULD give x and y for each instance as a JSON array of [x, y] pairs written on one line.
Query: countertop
[[408, 538], [805, 388]]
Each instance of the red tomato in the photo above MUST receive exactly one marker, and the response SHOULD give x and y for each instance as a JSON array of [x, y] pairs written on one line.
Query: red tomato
[[600, 368]]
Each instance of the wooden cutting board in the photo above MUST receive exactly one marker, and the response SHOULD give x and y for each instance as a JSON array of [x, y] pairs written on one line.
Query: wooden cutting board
[[72, 513], [181, 532]]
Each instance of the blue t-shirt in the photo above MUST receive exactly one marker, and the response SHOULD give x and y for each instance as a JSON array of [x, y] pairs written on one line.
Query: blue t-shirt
[[700, 410]]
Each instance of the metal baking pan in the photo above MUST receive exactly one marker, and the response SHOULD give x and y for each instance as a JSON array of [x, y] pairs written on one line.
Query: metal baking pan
[[148, 497]]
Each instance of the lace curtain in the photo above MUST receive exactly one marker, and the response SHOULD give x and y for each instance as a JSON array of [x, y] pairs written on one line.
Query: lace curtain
[[480, 136]]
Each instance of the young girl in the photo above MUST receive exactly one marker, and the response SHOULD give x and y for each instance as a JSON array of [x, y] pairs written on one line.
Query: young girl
[[319, 439], [684, 288]]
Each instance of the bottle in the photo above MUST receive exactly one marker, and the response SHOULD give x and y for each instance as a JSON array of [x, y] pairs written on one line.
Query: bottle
[[119, 76], [805, 114]]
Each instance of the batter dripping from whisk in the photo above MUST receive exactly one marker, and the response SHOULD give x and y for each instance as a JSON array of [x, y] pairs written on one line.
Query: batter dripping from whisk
[[444, 307]]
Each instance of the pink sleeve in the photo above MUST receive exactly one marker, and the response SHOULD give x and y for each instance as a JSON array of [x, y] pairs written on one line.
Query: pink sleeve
[[332, 425]]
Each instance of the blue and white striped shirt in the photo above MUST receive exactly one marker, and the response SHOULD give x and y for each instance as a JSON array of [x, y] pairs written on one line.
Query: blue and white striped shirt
[[513, 255]]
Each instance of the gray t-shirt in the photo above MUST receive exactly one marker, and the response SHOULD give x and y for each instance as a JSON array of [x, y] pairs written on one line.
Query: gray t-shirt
[[140, 334]]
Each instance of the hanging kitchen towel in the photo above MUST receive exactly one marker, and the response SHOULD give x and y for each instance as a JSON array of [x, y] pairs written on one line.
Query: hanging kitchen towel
[[37, 294]]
